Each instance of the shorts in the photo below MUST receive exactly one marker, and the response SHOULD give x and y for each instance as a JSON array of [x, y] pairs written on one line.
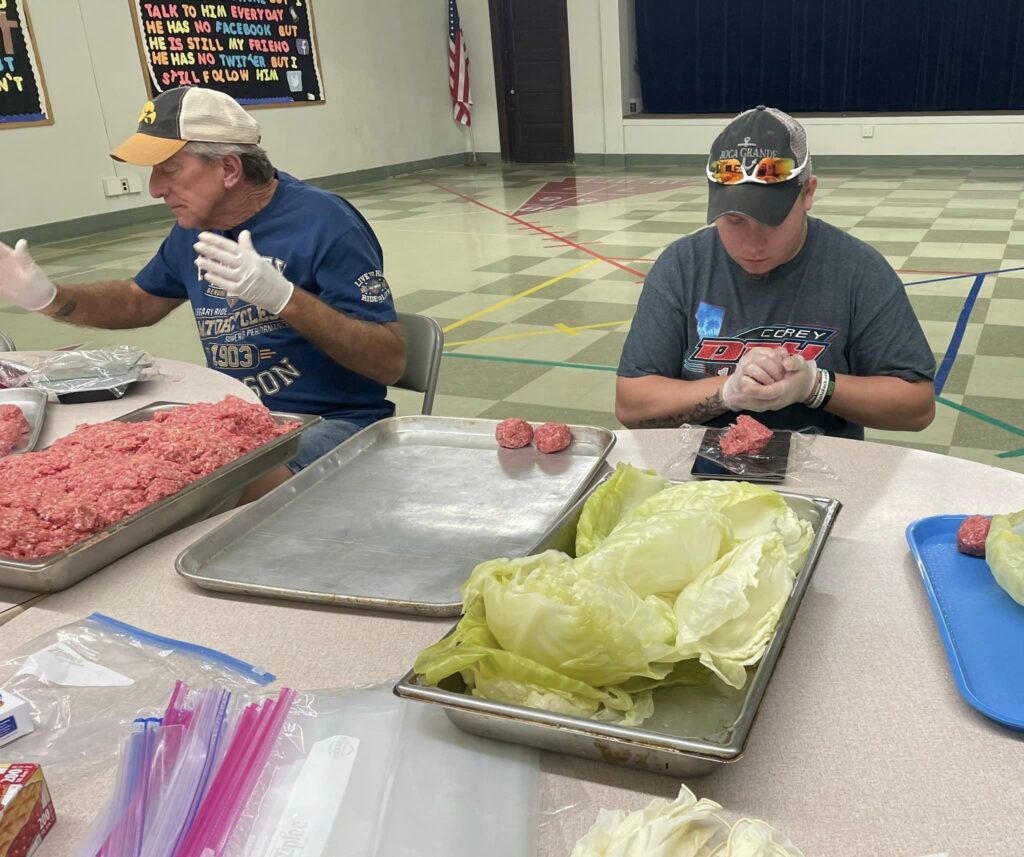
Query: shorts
[[321, 439]]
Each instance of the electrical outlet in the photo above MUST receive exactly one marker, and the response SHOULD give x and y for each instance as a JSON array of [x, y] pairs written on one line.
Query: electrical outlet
[[119, 185], [867, 130]]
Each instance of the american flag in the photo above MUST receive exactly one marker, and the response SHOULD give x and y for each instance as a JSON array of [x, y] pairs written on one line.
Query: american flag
[[458, 67]]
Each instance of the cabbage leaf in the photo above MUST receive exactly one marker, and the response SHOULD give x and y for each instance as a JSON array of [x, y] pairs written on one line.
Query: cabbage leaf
[[1004, 553], [614, 498]]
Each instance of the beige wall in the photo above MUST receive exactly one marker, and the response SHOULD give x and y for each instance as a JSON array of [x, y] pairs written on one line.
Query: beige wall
[[385, 72], [601, 36]]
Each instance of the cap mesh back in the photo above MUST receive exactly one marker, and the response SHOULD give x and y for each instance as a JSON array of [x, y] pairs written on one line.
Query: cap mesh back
[[798, 141]]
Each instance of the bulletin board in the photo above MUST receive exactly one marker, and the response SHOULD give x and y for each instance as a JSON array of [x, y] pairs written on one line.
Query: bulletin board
[[23, 99], [263, 53]]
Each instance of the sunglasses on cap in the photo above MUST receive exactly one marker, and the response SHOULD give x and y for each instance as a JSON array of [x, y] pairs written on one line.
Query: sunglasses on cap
[[730, 171]]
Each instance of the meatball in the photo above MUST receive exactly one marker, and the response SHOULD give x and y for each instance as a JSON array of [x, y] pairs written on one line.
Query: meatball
[[552, 437], [513, 433], [970, 538]]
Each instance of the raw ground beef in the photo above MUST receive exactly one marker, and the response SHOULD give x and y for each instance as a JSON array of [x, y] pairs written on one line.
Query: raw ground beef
[[104, 472], [746, 437], [552, 437], [12, 426], [970, 538], [513, 433]]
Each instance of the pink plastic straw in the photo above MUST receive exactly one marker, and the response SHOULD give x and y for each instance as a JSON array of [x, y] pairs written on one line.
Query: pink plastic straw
[[246, 758]]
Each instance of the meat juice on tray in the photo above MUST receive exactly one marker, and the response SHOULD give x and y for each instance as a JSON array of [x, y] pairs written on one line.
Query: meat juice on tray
[[103, 472]]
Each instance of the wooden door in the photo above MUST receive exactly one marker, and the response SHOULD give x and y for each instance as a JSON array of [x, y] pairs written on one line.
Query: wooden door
[[531, 62]]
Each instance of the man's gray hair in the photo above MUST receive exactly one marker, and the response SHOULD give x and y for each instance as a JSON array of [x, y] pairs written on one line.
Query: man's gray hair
[[255, 162]]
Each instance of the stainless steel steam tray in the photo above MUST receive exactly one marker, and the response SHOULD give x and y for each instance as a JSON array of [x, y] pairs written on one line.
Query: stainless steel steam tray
[[397, 516], [693, 731], [213, 493]]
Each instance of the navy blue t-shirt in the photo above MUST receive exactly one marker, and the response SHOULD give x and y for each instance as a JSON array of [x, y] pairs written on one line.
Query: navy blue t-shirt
[[321, 244]]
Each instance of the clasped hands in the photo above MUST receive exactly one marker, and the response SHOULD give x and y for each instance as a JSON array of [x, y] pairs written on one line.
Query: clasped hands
[[769, 379]]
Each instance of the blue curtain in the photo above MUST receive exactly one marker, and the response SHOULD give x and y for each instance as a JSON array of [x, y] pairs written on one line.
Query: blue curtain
[[722, 56]]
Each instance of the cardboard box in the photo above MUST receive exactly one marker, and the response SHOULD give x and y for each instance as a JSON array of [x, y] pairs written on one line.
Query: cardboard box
[[26, 812], [15, 720]]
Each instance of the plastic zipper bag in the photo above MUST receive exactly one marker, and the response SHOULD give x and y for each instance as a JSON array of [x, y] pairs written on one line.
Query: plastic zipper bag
[[361, 773], [87, 681]]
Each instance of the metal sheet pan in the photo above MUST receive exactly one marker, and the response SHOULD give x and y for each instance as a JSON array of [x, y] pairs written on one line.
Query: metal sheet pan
[[33, 405], [693, 729], [214, 493], [397, 516]]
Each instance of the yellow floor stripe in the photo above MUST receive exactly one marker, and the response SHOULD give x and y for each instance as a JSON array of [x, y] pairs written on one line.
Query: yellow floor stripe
[[558, 328], [511, 300]]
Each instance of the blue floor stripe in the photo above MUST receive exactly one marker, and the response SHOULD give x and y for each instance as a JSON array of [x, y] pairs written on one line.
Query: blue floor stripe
[[958, 335]]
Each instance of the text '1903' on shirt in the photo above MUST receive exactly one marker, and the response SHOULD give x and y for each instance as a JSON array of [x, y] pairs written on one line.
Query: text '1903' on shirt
[[322, 244]]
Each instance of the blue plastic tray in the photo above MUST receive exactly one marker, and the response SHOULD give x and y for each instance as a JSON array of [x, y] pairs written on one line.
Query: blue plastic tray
[[981, 626]]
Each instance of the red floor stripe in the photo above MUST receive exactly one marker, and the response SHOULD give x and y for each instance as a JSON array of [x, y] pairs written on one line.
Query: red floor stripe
[[540, 229]]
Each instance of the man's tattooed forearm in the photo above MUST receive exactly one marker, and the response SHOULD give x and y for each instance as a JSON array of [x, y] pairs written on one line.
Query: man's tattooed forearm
[[67, 309], [705, 410]]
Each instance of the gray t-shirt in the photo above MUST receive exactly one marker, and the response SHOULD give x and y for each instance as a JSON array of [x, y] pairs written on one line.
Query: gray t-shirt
[[838, 302]]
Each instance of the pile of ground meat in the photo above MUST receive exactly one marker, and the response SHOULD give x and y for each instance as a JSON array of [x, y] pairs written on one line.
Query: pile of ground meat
[[104, 472], [746, 437], [12, 426]]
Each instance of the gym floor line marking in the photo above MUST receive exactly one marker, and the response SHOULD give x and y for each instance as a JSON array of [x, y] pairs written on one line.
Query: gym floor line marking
[[539, 229], [1013, 453], [969, 274], [530, 361], [985, 418], [958, 335], [558, 328], [513, 298]]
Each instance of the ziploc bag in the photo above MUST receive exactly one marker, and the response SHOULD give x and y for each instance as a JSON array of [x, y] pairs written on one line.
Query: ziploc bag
[[86, 682], [361, 773]]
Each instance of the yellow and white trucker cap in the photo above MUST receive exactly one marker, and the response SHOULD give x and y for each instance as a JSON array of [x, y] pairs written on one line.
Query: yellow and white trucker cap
[[183, 115]]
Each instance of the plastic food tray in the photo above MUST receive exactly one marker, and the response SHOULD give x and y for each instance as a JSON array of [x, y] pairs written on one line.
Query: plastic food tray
[[981, 626]]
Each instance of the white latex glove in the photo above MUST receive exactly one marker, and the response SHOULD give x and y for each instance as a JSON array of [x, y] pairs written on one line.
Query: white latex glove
[[757, 369], [243, 273], [22, 281], [769, 381]]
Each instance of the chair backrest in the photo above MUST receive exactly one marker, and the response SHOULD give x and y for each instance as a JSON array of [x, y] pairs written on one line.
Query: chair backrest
[[6, 343], [424, 341]]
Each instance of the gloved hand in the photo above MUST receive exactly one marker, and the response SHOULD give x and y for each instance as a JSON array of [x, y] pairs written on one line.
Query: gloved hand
[[769, 381], [241, 271], [22, 281], [744, 389]]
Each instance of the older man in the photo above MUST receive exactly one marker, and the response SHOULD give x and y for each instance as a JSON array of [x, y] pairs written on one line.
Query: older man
[[771, 311], [285, 280]]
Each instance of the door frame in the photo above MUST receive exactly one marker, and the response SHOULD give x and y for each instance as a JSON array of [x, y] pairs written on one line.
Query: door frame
[[501, 52]]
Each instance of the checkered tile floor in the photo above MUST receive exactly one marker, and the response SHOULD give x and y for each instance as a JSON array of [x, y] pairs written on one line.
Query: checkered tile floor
[[536, 306]]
